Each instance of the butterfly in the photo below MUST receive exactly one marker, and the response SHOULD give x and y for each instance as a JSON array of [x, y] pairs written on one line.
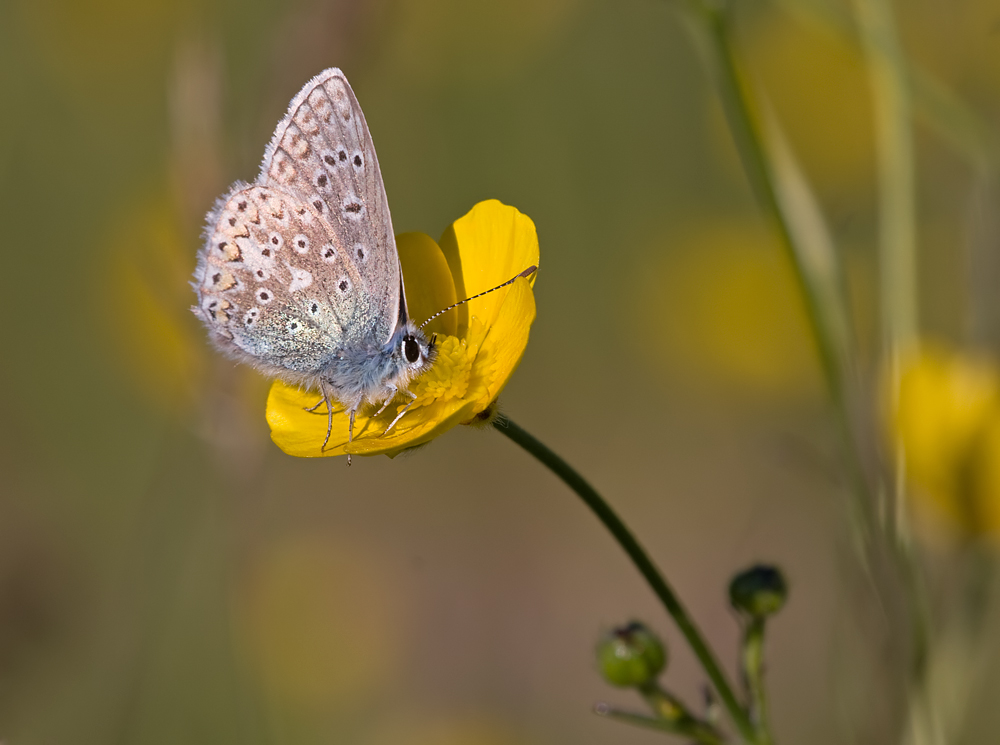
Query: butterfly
[[299, 274]]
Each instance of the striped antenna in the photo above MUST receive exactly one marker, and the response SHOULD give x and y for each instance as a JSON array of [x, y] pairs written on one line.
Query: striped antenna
[[526, 273]]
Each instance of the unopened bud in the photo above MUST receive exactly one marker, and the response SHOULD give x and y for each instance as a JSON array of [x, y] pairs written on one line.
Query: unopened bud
[[631, 656], [759, 591]]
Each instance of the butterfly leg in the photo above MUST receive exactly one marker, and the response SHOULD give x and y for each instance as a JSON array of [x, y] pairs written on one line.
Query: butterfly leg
[[413, 397], [312, 409], [350, 433], [392, 395], [329, 414], [324, 400]]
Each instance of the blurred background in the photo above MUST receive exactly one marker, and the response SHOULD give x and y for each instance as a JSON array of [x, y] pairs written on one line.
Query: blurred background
[[167, 575]]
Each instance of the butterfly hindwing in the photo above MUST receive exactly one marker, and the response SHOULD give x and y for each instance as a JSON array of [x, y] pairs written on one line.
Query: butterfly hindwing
[[273, 284]]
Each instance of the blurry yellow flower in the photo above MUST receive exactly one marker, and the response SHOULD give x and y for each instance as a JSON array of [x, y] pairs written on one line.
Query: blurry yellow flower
[[317, 621], [719, 305], [947, 420], [815, 79], [142, 303], [479, 344]]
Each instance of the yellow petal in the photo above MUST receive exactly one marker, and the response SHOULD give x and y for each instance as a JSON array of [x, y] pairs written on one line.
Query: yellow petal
[[504, 345], [429, 284], [301, 433], [444, 418], [985, 508], [297, 431], [305, 652], [945, 401], [441, 403], [945, 417], [485, 248]]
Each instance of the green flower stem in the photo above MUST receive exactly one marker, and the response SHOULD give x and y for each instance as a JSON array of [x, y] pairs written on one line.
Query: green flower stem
[[669, 708], [945, 113], [753, 674], [711, 26], [643, 563], [897, 260], [710, 23], [700, 734], [897, 187], [897, 191], [664, 705]]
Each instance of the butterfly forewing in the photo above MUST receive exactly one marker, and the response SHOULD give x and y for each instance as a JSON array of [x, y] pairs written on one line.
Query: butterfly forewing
[[322, 154]]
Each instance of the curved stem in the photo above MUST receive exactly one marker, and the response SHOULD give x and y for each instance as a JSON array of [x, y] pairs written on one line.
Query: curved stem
[[642, 562]]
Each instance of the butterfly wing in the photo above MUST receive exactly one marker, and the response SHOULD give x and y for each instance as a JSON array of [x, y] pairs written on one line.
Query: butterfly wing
[[322, 152], [273, 287], [302, 264]]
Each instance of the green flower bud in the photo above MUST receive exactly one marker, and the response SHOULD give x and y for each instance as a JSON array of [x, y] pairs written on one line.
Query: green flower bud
[[631, 656], [759, 591]]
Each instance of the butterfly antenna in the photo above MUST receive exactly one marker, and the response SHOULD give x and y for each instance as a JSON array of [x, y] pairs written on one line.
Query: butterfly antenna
[[526, 273]]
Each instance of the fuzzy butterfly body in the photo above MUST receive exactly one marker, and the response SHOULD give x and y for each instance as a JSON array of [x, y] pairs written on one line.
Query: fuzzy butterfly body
[[299, 274]]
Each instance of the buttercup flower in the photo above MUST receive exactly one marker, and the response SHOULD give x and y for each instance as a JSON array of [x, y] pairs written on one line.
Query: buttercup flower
[[947, 419], [479, 343], [743, 324]]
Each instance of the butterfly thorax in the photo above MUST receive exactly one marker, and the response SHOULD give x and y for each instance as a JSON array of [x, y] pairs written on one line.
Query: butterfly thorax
[[359, 375]]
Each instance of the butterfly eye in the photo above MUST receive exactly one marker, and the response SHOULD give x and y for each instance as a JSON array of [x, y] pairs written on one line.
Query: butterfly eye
[[411, 350]]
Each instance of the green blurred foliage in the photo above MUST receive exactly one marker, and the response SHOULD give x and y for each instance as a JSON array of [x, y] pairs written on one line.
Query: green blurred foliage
[[166, 575]]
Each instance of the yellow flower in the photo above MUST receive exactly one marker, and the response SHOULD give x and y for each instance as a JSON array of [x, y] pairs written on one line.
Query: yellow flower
[[143, 305], [721, 306], [947, 420], [479, 344], [829, 125], [307, 651]]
